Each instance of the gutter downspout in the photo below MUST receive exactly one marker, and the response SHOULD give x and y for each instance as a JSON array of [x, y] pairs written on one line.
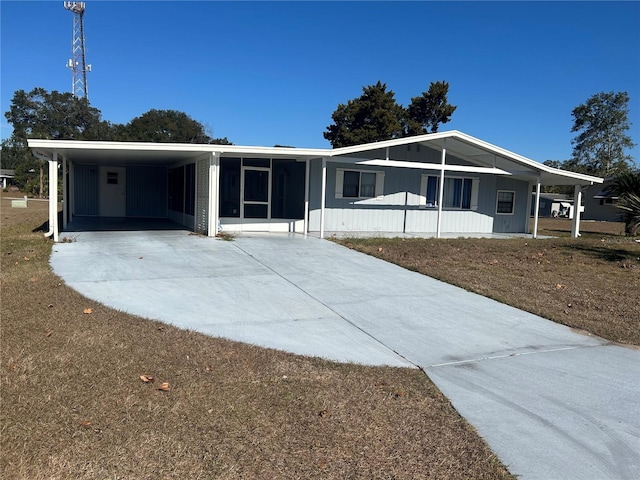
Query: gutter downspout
[[577, 201], [441, 189], [53, 193], [536, 209]]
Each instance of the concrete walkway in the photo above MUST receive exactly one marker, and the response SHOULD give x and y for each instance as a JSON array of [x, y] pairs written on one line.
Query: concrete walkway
[[552, 403]]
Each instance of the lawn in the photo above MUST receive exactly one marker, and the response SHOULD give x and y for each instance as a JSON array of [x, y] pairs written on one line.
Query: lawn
[[78, 400], [591, 283]]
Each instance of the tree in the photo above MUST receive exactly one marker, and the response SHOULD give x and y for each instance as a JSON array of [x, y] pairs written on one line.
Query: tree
[[427, 111], [49, 115], [372, 117], [626, 186], [602, 122], [376, 116], [167, 126]]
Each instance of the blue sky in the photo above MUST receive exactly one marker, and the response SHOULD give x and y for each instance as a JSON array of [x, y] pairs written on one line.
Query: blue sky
[[266, 73]]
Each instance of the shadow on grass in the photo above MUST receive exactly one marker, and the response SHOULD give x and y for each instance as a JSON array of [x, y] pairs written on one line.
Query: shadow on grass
[[604, 253]]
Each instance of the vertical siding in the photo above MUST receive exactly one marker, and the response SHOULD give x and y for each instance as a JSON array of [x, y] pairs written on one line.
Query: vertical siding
[[202, 197], [86, 190], [147, 191]]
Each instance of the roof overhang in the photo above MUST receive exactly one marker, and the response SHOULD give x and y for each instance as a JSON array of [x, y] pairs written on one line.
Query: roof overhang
[[126, 153], [483, 156]]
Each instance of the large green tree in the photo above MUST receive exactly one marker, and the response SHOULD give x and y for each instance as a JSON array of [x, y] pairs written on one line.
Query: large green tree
[[376, 116], [49, 115], [427, 111], [602, 124], [372, 117]]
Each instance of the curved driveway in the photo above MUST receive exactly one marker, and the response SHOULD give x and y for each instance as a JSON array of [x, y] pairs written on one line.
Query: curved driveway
[[551, 403]]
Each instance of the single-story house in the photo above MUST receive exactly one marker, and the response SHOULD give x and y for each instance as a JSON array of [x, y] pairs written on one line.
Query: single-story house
[[432, 184], [6, 175], [600, 205]]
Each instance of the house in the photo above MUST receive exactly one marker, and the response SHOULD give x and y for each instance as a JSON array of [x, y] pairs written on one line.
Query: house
[[6, 175], [600, 205], [433, 184]]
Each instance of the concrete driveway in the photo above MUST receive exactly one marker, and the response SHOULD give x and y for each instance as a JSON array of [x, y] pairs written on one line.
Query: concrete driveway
[[552, 403]]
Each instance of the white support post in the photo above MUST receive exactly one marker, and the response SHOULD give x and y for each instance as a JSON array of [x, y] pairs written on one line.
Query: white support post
[[323, 195], [577, 202], [214, 184], [536, 211], [65, 199], [53, 196], [306, 196], [441, 189]]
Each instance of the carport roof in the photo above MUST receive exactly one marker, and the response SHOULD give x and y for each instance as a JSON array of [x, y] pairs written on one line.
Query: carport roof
[[471, 149]]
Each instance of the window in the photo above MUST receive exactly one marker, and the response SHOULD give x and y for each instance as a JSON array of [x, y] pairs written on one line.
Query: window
[[459, 193], [505, 202], [358, 184]]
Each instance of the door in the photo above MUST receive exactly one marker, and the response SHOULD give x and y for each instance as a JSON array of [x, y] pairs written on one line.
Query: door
[[256, 192], [113, 191]]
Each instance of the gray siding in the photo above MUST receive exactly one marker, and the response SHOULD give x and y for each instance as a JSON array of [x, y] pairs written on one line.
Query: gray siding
[[86, 190], [399, 210], [147, 191]]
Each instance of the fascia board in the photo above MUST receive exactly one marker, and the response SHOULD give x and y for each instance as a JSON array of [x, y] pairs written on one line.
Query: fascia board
[[175, 147], [524, 160], [390, 143]]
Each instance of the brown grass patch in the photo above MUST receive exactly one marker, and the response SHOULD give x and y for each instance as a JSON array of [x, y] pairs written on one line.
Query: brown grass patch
[[590, 283], [74, 405]]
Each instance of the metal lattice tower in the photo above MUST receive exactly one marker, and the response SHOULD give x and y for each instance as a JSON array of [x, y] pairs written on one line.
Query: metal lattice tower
[[77, 63]]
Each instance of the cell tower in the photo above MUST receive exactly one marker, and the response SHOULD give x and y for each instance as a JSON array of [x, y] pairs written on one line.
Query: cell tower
[[77, 63]]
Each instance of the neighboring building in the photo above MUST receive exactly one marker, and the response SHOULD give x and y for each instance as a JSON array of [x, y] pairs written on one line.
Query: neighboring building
[[439, 183], [600, 205], [552, 205], [6, 177]]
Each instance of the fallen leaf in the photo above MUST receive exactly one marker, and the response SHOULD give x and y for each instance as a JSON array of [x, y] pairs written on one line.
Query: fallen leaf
[[380, 249], [165, 387], [26, 259], [559, 286], [50, 305], [400, 393], [323, 413], [140, 258], [86, 423], [49, 334], [147, 378], [88, 311], [33, 279]]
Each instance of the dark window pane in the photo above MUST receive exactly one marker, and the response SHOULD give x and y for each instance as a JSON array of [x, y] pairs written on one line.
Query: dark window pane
[[505, 202], [190, 189], [229, 187], [367, 185], [466, 193], [256, 162], [287, 189], [432, 191], [252, 210], [256, 186], [350, 184]]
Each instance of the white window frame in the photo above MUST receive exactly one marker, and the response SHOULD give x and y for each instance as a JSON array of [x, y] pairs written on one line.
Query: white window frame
[[475, 188], [513, 202], [379, 188]]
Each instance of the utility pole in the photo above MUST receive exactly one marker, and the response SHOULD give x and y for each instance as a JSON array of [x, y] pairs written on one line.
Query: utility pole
[[77, 62]]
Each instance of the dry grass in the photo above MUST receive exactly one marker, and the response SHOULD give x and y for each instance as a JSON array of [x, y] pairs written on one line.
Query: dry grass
[[590, 283], [74, 406]]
